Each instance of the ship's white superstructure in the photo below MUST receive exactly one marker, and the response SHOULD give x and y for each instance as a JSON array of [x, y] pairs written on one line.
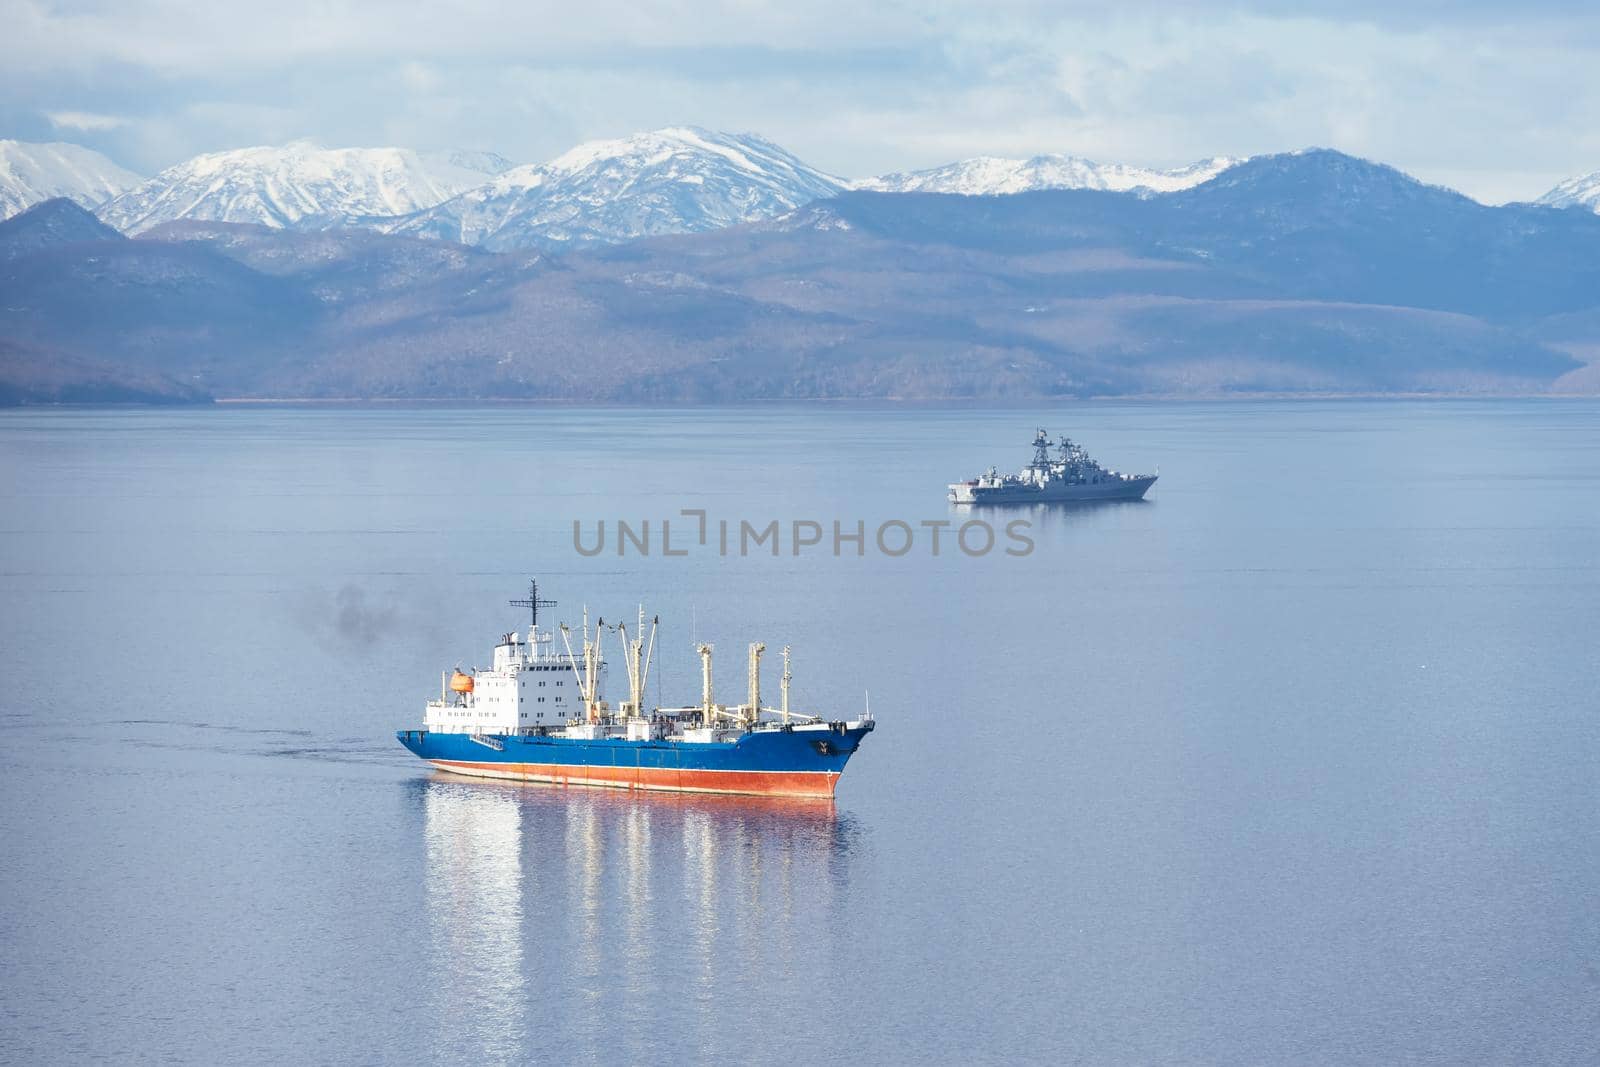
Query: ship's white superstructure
[[529, 685]]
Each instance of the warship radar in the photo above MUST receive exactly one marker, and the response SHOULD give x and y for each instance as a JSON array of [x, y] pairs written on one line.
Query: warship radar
[[1066, 476]]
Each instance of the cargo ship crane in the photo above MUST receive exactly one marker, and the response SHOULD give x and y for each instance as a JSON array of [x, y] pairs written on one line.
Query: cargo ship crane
[[784, 685], [636, 658], [707, 708], [588, 676], [753, 712]]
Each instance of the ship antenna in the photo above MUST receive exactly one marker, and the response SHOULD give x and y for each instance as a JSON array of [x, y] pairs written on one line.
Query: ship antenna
[[1041, 451], [533, 604]]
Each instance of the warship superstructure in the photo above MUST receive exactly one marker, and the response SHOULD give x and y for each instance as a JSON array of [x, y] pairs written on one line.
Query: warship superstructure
[[1067, 476], [538, 713]]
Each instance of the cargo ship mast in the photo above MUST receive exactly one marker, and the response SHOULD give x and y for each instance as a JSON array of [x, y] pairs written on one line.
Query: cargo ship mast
[[533, 604]]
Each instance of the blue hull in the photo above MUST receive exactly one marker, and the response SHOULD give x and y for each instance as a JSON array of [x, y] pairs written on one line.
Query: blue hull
[[766, 763]]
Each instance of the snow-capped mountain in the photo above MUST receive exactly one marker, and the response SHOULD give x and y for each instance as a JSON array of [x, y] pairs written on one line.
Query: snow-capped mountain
[[1582, 191], [675, 180], [989, 175], [300, 185], [464, 167], [33, 173]]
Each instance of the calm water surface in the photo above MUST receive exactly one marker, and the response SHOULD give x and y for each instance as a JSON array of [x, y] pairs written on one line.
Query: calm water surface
[[1295, 762]]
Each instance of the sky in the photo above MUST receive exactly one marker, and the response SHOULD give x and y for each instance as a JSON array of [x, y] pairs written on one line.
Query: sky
[[1501, 101]]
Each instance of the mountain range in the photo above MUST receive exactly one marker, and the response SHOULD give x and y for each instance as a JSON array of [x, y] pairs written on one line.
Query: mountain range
[[990, 176], [300, 185], [1304, 272], [676, 180], [673, 180]]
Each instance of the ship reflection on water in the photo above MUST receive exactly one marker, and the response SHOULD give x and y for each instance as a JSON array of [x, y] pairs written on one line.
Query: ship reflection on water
[[475, 900], [546, 904], [1044, 514]]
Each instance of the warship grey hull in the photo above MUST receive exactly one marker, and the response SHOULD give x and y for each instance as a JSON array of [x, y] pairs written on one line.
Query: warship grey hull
[[1052, 493]]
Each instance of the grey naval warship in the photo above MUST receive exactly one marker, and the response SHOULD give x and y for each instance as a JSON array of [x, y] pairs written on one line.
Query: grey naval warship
[[1070, 476]]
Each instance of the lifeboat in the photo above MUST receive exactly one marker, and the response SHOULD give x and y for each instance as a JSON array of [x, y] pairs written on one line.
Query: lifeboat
[[460, 683]]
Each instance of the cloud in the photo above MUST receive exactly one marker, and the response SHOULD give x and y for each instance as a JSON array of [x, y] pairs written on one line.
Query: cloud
[[419, 78], [1499, 97], [84, 120]]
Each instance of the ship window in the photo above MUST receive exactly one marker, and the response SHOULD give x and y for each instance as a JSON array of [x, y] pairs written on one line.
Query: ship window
[[541, 700]]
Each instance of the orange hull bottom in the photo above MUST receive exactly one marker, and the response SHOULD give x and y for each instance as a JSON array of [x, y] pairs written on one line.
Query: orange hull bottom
[[746, 783]]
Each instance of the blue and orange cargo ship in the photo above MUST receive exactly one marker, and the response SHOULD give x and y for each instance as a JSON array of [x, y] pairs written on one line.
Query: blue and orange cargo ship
[[538, 714]]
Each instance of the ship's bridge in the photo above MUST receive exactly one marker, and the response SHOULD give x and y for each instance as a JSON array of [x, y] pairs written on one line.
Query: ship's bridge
[[529, 686]]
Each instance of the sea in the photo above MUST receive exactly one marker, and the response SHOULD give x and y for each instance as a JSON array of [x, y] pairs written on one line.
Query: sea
[[1293, 762]]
